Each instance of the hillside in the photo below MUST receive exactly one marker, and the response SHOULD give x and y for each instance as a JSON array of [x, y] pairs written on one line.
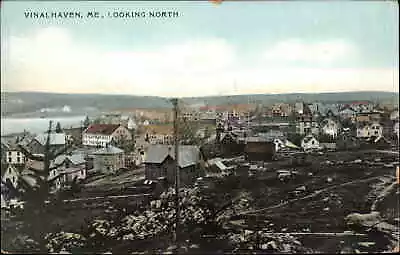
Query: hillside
[[30, 103]]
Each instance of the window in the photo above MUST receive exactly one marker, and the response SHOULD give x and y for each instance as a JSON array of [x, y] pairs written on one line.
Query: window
[[9, 160], [19, 160], [18, 153], [9, 153], [13, 179], [81, 172]]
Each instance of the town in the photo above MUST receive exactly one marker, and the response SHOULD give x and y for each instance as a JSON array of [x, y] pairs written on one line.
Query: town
[[283, 177]]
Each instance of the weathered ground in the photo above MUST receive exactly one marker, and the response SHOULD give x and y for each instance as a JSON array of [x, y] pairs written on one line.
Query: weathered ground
[[329, 191]]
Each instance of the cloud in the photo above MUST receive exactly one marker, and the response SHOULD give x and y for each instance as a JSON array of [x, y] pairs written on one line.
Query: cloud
[[323, 52], [51, 59]]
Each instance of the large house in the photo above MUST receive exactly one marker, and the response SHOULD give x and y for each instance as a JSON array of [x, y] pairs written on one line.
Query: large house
[[108, 160], [160, 163], [329, 127], [12, 154], [71, 167], [307, 127], [103, 134], [365, 130], [38, 144]]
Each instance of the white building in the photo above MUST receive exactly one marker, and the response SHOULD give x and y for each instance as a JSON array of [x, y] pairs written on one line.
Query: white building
[[131, 124], [330, 127], [310, 143], [11, 174], [13, 155], [103, 134], [368, 130], [299, 107], [307, 127], [394, 115]]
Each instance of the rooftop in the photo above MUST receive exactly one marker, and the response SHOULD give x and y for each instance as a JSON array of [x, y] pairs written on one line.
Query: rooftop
[[55, 139], [102, 129], [108, 150], [188, 154]]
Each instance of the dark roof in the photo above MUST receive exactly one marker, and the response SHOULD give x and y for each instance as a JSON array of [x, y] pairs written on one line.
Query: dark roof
[[188, 154], [104, 129]]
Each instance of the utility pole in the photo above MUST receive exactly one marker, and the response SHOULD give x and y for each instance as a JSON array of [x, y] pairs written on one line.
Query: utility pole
[[47, 151], [176, 142]]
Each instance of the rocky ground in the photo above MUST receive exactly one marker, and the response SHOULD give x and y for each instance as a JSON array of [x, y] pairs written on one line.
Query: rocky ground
[[319, 197], [304, 213]]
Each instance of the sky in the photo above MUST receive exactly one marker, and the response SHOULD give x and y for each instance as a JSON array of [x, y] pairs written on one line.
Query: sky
[[237, 47]]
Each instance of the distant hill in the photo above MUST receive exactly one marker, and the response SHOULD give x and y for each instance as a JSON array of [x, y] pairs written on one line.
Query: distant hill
[[14, 103]]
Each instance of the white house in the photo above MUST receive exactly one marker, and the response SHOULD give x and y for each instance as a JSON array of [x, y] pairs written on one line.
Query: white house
[[347, 113], [103, 134], [307, 127], [11, 174], [329, 127], [369, 130], [160, 139], [299, 107], [131, 124], [394, 115], [309, 143], [396, 129], [279, 144], [14, 155]]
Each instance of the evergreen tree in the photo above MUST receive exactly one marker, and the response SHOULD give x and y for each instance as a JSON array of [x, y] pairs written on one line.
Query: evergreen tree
[[58, 128], [86, 122]]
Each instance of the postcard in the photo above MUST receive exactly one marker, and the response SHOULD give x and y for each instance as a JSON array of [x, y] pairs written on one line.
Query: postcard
[[199, 127]]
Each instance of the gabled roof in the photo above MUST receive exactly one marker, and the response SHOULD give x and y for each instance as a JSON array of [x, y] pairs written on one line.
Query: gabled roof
[[75, 159], [55, 139], [188, 154], [347, 110], [101, 129], [108, 150]]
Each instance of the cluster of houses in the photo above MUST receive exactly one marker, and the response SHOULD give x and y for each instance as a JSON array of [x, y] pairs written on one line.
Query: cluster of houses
[[79, 155], [300, 128], [258, 134]]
